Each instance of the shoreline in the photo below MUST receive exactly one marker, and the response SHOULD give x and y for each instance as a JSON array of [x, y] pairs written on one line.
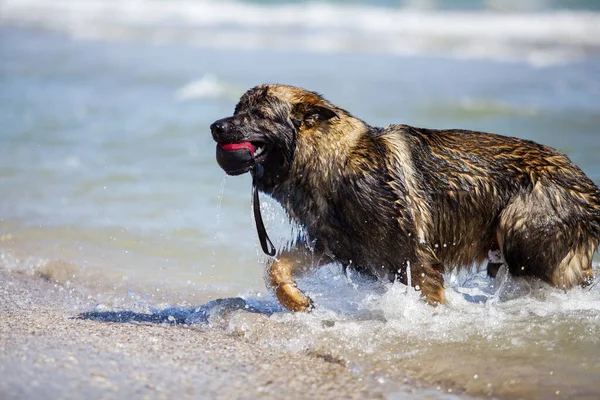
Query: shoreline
[[48, 354], [231, 351]]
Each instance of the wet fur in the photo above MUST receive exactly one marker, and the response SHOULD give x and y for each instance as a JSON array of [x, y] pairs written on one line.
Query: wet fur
[[384, 199]]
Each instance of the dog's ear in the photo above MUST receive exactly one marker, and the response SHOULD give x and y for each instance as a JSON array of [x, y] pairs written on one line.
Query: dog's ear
[[320, 113], [311, 114]]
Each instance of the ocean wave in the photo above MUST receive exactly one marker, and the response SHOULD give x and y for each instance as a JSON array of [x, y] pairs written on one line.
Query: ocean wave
[[539, 38], [209, 87]]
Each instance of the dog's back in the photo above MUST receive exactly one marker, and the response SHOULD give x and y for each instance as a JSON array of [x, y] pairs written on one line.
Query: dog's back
[[485, 191]]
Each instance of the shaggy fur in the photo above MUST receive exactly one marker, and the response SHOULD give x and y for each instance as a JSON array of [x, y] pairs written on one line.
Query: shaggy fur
[[396, 199]]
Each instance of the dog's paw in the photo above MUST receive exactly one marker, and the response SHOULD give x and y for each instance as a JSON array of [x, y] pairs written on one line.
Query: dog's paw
[[293, 299]]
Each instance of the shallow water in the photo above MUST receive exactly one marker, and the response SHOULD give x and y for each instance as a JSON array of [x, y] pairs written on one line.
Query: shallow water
[[106, 162], [540, 343], [499, 337]]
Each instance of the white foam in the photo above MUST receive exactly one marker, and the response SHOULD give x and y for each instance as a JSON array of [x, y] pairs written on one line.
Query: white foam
[[367, 310], [380, 331], [540, 38]]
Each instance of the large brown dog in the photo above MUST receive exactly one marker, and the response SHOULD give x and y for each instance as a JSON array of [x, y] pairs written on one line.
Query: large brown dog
[[397, 199]]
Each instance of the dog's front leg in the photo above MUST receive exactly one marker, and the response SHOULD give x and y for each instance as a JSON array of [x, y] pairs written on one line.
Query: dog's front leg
[[430, 279], [280, 277]]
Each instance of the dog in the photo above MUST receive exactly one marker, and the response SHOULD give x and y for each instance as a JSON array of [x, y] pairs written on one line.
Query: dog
[[407, 203]]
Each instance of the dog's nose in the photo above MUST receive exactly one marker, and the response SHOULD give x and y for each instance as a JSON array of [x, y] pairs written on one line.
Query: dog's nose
[[218, 127]]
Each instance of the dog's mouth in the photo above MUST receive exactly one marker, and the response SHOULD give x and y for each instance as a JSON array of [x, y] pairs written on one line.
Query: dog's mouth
[[239, 158]]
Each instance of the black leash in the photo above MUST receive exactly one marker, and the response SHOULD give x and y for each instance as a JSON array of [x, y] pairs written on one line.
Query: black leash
[[266, 244]]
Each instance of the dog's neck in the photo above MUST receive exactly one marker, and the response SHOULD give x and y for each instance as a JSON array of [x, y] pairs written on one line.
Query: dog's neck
[[321, 156], [319, 166]]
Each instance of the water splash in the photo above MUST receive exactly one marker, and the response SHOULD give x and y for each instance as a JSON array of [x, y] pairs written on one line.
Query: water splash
[[218, 221], [493, 337]]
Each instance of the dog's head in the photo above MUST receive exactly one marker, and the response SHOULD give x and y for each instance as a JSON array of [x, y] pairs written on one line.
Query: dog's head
[[266, 126]]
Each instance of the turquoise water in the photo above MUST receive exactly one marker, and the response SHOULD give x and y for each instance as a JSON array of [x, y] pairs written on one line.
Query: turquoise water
[[106, 160]]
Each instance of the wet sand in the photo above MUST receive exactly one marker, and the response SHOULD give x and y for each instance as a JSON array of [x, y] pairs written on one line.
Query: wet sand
[[47, 354]]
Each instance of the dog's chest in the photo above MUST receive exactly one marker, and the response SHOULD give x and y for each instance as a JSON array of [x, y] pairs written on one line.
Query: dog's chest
[[353, 228]]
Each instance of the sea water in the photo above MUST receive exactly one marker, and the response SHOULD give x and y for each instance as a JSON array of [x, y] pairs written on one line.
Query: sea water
[[106, 162]]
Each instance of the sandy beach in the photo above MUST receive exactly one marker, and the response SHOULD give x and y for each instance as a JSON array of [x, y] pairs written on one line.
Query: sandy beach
[[47, 354]]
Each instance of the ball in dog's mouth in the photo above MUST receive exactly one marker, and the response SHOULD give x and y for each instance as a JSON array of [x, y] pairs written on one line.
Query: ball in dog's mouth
[[237, 158]]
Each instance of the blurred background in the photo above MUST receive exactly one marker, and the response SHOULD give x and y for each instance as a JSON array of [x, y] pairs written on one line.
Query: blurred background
[[106, 160]]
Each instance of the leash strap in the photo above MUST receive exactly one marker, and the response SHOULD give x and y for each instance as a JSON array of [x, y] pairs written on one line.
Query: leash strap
[[265, 242]]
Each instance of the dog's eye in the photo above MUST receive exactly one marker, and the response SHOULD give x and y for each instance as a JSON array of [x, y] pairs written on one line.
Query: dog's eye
[[296, 123], [311, 119]]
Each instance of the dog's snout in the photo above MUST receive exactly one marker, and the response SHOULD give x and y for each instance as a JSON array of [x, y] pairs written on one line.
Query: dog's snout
[[217, 127], [220, 127]]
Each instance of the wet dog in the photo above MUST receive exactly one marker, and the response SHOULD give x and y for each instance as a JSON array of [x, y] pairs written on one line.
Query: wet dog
[[407, 203]]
